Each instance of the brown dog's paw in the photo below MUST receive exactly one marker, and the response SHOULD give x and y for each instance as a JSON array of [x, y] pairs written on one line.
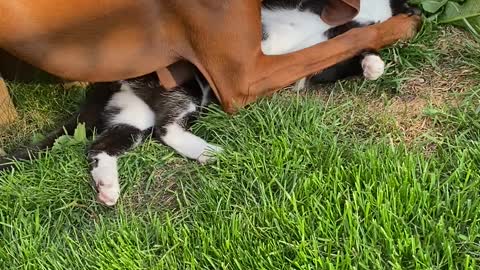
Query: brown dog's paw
[[415, 22], [400, 27]]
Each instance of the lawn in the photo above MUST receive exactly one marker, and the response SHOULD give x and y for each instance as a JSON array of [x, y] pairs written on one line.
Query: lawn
[[353, 175]]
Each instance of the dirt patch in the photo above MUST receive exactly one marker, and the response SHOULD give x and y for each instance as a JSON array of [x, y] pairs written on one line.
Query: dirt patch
[[161, 194], [432, 87], [159, 191], [429, 87]]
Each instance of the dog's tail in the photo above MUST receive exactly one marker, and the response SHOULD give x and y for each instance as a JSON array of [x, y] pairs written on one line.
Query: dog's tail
[[31, 152]]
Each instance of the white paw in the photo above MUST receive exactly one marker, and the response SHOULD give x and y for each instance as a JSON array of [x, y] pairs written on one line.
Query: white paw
[[105, 175], [208, 155], [108, 195], [373, 67]]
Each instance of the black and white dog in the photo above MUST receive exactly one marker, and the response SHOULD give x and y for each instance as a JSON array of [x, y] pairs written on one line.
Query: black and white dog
[[292, 25], [126, 112]]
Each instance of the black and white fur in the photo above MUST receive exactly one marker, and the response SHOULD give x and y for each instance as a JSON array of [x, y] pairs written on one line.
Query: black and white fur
[[292, 25], [124, 113], [141, 107]]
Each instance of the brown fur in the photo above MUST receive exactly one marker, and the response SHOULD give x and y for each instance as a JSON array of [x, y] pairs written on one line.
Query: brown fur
[[106, 40]]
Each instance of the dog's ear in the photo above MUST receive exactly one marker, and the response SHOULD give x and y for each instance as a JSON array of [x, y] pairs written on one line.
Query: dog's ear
[[338, 12]]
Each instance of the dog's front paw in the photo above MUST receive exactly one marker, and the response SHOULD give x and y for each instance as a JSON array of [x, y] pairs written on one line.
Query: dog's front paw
[[209, 154], [373, 67], [400, 27]]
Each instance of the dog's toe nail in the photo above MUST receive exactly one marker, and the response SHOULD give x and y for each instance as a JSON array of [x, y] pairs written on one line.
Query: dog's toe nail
[[414, 11]]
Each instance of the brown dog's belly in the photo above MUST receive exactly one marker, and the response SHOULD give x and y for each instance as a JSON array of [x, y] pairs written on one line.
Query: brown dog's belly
[[76, 63], [74, 41]]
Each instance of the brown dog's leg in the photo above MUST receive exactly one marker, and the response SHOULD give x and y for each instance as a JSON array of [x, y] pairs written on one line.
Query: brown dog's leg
[[243, 77], [273, 72]]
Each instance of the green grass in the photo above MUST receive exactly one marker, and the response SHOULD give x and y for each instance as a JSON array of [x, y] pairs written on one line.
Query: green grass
[[307, 181], [41, 107]]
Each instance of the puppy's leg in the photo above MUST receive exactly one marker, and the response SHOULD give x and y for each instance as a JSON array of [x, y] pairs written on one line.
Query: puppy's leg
[[176, 135], [342, 70], [187, 144], [103, 155], [370, 65]]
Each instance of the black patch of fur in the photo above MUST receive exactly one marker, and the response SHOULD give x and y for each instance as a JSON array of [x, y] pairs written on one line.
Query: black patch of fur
[[341, 29], [117, 139], [402, 7], [348, 68], [315, 6]]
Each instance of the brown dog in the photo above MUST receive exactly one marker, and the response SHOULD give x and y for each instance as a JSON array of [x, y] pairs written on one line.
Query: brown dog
[[106, 40]]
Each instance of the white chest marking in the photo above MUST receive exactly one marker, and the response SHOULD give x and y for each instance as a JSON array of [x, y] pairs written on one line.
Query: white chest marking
[[133, 110], [290, 30]]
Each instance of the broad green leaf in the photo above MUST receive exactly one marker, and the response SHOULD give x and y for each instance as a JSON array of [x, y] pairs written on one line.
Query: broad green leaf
[[466, 15], [432, 6], [61, 141], [80, 134], [79, 137]]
